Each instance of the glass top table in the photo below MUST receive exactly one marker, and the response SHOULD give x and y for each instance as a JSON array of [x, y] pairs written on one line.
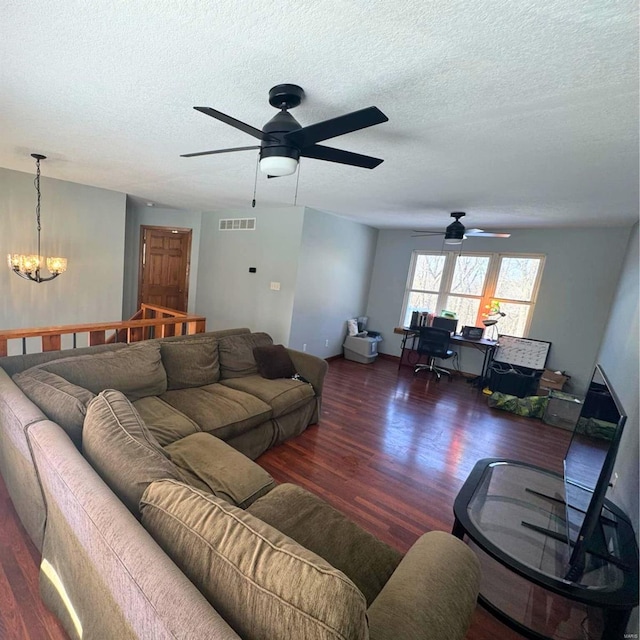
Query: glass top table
[[514, 514]]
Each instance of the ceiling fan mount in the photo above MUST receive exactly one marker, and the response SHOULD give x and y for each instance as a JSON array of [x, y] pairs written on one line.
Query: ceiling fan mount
[[283, 141], [456, 232], [286, 96]]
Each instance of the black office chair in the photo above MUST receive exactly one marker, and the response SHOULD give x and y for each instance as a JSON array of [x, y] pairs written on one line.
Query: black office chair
[[434, 343]]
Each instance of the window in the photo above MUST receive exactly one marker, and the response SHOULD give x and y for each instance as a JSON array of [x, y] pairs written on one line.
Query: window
[[470, 285]]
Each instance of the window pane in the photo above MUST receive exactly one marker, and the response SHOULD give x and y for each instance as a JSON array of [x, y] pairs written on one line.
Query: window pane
[[469, 275], [419, 302], [428, 273], [516, 278], [465, 308], [515, 322]]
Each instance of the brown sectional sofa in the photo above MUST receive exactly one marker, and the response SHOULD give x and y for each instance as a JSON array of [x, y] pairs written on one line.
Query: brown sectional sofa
[[135, 479], [63, 382]]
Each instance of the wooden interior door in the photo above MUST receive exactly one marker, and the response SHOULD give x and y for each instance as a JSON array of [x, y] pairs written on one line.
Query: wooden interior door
[[163, 274]]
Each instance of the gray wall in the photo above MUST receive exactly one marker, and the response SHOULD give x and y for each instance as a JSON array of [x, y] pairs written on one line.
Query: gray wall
[[230, 296], [334, 271], [577, 288], [619, 358], [139, 214], [83, 224]]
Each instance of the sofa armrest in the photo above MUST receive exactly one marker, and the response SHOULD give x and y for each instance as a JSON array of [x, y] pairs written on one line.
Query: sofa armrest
[[431, 595], [310, 367]]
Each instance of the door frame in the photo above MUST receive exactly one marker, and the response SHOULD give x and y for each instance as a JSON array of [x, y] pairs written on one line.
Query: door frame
[[142, 258]]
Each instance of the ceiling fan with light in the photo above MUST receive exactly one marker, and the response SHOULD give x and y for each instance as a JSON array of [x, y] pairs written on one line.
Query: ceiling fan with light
[[456, 232], [283, 141]]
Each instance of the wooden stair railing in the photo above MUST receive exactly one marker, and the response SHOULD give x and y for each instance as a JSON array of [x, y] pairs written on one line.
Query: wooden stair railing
[[150, 321]]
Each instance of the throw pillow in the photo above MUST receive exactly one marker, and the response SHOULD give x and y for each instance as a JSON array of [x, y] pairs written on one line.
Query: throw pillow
[[261, 582], [190, 363], [60, 400], [273, 362], [118, 445], [136, 370]]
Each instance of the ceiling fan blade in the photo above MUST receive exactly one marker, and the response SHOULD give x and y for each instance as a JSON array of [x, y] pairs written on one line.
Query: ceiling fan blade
[[210, 153], [338, 155], [485, 234], [354, 121], [419, 234], [247, 128]]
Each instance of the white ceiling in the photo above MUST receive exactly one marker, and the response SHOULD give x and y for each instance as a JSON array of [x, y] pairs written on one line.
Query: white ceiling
[[522, 114]]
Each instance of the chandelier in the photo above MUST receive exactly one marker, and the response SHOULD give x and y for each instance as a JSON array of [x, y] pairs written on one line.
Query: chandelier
[[28, 266]]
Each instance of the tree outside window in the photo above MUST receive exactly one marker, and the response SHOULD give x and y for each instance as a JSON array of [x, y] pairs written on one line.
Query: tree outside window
[[469, 284]]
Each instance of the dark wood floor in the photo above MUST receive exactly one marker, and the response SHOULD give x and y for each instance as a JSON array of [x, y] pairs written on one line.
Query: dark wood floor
[[392, 451], [22, 614]]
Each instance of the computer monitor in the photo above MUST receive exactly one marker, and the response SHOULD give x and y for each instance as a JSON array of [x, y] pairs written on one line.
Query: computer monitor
[[450, 324]]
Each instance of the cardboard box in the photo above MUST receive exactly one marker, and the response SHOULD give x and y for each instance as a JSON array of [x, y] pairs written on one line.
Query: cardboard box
[[551, 380]]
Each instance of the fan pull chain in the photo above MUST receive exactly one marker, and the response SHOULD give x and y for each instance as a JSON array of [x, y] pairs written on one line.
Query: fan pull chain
[[255, 183], [295, 198]]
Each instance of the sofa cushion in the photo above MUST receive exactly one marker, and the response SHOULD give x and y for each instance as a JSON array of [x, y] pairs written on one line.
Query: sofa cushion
[[137, 370], [222, 411], [273, 361], [263, 583], [236, 354], [165, 422], [190, 363], [319, 527], [282, 395], [62, 401], [222, 470], [120, 448]]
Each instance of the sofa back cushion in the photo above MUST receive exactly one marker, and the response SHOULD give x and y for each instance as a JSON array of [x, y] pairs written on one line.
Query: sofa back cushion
[[22, 362], [191, 363], [121, 449], [137, 370], [263, 583], [60, 400], [236, 354]]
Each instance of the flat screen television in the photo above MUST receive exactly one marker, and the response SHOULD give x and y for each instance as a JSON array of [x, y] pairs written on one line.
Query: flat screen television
[[588, 465]]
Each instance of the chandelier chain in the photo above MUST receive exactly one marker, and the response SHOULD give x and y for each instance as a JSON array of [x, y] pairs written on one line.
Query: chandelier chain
[[37, 185]]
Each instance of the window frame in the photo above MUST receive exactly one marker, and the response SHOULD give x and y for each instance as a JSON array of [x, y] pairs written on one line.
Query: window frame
[[489, 286]]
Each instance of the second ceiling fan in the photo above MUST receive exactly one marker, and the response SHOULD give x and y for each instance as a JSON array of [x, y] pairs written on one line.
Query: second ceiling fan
[[456, 232], [283, 141]]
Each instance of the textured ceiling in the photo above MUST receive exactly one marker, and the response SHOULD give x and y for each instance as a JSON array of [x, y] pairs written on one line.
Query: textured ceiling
[[522, 114]]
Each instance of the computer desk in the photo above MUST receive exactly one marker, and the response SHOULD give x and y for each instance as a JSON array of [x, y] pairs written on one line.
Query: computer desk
[[487, 347]]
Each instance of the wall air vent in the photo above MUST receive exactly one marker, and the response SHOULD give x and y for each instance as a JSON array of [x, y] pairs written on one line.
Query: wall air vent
[[237, 224]]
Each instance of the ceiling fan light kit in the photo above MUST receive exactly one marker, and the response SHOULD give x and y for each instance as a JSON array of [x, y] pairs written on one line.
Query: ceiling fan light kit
[[283, 141], [278, 165]]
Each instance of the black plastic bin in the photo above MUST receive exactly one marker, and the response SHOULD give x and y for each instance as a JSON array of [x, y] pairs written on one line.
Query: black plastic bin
[[514, 381]]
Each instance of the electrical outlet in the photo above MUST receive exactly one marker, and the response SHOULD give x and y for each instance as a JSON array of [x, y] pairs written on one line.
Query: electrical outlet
[[326, 343], [304, 346], [275, 286]]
